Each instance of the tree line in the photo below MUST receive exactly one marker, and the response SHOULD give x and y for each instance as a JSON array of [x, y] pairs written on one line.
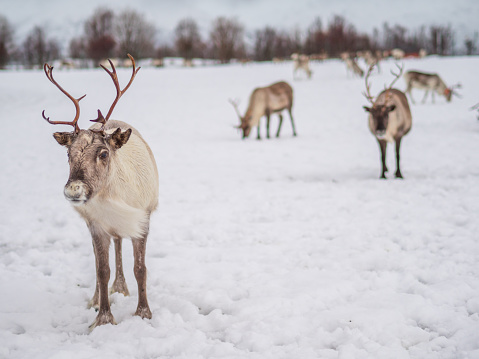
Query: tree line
[[107, 34]]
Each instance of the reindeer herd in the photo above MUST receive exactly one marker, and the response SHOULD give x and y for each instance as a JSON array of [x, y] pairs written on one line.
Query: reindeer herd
[[113, 180]]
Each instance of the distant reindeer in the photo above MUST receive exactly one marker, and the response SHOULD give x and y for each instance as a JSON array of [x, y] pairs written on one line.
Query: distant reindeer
[[372, 59], [389, 119], [113, 185], [352, 65], [301, 62], [265, 101], [428, 82], [398, 54]]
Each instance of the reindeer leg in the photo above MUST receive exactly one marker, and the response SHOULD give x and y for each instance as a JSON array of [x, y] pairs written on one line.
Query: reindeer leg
[[280, 123], [95, 301], [139, 248], [292, 121], [425, 96], [101, 242], [382, 145], [119, 285], [259, 136], [398, 169], [409, 92], [267, 125]]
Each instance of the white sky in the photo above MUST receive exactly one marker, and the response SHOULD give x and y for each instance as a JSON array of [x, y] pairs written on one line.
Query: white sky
[[64, 18]]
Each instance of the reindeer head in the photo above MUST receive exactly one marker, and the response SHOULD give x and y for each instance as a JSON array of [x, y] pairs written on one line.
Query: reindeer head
[[90, 152], [245, 121], [380, 110], [450, 91]]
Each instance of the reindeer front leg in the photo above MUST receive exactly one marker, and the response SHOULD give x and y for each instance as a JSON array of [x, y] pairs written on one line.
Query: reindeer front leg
[[383, 144], [398, 169], [101, 244], [139, 249], [267, 125]]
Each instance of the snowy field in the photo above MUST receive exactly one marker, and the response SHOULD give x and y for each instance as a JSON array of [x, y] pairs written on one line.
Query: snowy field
[[282, 248]]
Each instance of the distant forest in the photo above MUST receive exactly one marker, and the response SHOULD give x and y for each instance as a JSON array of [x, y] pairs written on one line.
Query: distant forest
[[107, 34]]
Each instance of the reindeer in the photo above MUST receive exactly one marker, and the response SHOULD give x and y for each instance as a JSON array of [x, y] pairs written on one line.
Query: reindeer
[[372, 59], [389, 118], [113, 185], [428, 82], [352, 65], [265, 101], [301, 62]]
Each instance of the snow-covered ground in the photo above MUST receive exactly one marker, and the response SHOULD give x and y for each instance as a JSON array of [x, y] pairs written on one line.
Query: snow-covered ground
[[281, 248]]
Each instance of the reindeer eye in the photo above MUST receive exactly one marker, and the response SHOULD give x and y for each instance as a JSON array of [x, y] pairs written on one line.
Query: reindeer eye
[[103, 154]]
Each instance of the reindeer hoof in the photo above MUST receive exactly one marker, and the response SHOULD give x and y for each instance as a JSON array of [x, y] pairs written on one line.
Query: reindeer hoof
[[102, 319], [143, 312], [120, 287], [94, 303], [399, 175]]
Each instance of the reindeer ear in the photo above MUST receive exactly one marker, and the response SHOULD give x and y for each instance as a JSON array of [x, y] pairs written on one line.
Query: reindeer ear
[[64, 138], [367, 109], [118, 138]]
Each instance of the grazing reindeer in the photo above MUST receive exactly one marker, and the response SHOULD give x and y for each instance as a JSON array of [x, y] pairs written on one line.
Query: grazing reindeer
[[352, 65], [113, 185], [265, 101], [301, 62], [389, 119], [428, 82]]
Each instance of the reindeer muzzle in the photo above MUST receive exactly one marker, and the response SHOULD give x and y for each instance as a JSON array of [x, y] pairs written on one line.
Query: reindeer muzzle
[[76, 192]]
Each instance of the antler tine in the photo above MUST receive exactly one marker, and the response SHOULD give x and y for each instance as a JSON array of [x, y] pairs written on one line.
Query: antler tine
[[475, 107], [49, 73], [367, 94], [397, 76], [235, 105], [119, 93]]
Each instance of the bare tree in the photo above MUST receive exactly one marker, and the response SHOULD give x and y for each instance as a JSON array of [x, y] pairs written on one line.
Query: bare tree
[[265, 44], [99, 34], [135, 35], [471, 44], [187, 39], [6, 41], [227, 39], [38, 49], [78, 48]]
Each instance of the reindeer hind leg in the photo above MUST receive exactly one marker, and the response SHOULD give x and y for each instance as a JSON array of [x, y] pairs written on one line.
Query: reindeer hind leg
[[119, 284]]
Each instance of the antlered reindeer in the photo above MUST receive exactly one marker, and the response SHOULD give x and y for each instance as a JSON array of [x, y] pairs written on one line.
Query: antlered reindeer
[[301, 62], [389, 119], [265, 101], [428, 82], [113, 185]]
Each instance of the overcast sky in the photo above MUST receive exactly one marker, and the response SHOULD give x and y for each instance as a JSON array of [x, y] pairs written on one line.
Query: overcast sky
[[64, 18]]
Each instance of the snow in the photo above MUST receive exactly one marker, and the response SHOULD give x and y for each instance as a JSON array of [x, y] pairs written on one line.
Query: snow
[[280, 248]]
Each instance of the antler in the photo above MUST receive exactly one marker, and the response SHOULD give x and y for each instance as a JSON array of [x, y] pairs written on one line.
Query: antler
[[396, 77], [49, 72], [367, 94], [235, 105], [119, 93]]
